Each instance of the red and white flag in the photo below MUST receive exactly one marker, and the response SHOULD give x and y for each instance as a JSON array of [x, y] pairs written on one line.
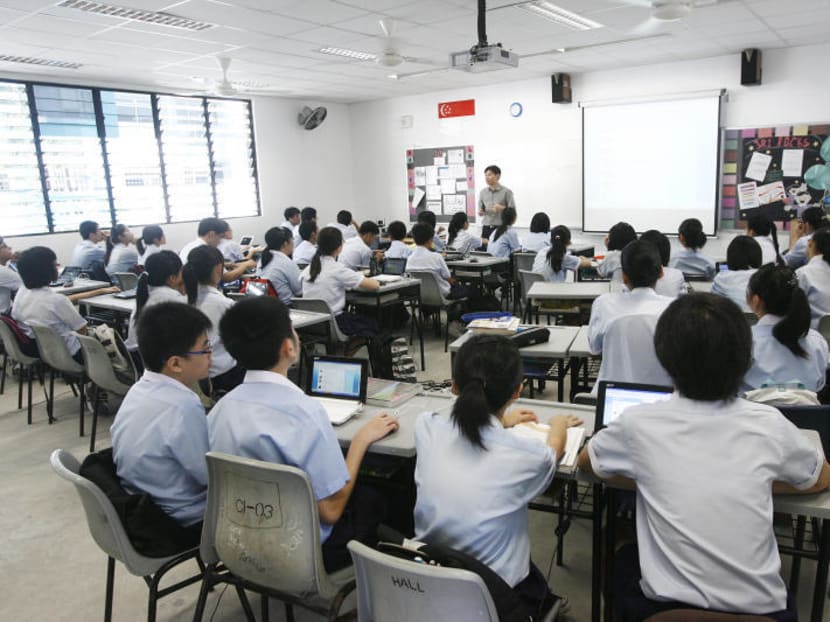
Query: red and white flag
[[460, 108]]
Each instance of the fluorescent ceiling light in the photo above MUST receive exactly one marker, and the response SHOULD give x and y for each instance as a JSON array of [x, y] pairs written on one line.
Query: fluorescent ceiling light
[[561, 16], [44, 62], [355, 54], [158, 18]]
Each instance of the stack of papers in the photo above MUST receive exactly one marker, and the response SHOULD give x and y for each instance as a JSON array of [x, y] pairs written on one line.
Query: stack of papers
[[495, 326], [539, 432]]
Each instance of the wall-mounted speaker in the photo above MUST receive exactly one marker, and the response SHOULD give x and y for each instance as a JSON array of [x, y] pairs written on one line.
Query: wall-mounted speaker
[[751, 67], [561, 88]]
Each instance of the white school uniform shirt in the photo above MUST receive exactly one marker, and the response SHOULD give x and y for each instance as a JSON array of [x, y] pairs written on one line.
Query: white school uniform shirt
[[438, 244], [465, 242], [304, 252], [355, 254], [797, 255], [611, 266], [768, 254], [692, 261], [348, 231], [189, 247], [159, 442], [542, 266], [424, 259], [814, 279], [214, 304], [505, 245], [733, 284], [671, 284], [331, 284], [44, 307], [149, 250], [230, 250], [609, 307], [10, 282], [157, 294], [704, 518], [284, 276], [268, 417], [123, 258], [397, 250], [86, 252], [773, 363], [534, 242], [481, 509], [294, 229]]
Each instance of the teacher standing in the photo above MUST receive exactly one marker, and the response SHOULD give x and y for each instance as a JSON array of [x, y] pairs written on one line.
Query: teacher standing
[[492, 200]]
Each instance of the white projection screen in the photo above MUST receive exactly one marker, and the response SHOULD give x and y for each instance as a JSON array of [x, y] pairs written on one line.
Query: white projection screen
[[651, 164]]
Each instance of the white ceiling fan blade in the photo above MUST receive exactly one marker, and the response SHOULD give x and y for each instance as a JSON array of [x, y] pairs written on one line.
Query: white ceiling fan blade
[[387, 25], [648, 27]]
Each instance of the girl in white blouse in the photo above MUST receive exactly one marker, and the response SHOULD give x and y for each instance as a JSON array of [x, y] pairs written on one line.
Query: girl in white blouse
[[814, 278], [539, 236], [743, 258], [459, 237], [151, 240], [122, 255], [554, 261]]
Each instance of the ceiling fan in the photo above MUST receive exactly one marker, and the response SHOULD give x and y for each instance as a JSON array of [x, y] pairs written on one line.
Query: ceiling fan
[[226, 88], [389, 55], [662, 12]]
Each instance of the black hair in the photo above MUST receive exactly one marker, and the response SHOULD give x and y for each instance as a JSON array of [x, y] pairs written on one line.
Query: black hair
[[344, 217], [487, 371], [396, 230], [493, 169], [427, 216], [117, 232], [815, 217], [422, 233], [217, 225], [254, 329], [661, 242], [169, 329], [540, 223], [368, 226], [619, 235], [743, 253], [157, 269], [641, 263], [704, 343], [560, 237], [777, 287], [87, 228], [821, 243], [307, 228], [291, 212], [508, 217], [149, 234], [308, 213], [692, 231], [275, 239], [328, 240], [457, 222], [36, 266], [201, 262], [762, 225]]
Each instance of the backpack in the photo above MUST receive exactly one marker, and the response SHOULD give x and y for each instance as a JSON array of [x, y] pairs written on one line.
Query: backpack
[[380, 356], [22, 338], [108, 338], [257, 286]]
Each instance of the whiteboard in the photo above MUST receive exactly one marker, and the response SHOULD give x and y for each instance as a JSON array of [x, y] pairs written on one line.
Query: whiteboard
[[651, 164]]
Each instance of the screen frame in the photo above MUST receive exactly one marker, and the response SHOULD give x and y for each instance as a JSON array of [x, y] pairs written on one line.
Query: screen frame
[[364, 376], [604, 385]]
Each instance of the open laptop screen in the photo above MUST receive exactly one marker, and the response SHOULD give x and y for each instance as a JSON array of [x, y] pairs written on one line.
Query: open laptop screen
[[339, 377], [615, 397]]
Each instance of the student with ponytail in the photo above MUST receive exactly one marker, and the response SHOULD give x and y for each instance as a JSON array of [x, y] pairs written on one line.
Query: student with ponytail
[[689, 259], [275, 264], [475, 477], [801, 231], [763, 229], [161, 281], [121, 256], [554, 261], [784, 347], [504, 240], [202, 275], [814, 278], [151, 240], [459, 237]]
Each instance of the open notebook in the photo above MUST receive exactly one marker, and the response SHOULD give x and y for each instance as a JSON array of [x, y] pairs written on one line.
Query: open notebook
[[339, 385], [539, 432]]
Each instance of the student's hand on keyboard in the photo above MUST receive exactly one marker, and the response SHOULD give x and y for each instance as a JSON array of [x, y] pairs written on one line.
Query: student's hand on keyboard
[[377, 427], [517, 416]]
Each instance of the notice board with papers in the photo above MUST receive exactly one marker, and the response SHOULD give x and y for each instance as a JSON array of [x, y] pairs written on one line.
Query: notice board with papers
[[441, 179]]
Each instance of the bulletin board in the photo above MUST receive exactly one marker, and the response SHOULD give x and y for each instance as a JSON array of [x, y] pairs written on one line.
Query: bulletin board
[[765, 165], [441, 179]]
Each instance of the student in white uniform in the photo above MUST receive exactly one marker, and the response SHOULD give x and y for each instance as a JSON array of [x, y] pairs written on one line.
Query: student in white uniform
[[230, 249], [743, 258], [202, 275], [763, 229], [159, 436], [785, 350], [327, 279], [346, 224], [269, 418], [672, 283], [428, 217], [304, 250], [424, 259], [10, 280], [397, 249], [211, 231], [689, 259], [276, 264], [307, 214], [89, 249], [812, 219], [292, 220], [554, 261], [151, 241], [504, 240], [539, 236], [814, 278], [618, 236], [459, 237], [726, 558], [475, 477], [122, 255], [357, 251]]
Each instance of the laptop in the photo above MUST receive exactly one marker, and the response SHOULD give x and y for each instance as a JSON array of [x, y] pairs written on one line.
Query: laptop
[[615, 397], [394, 265], [339, 384], [68, 275]]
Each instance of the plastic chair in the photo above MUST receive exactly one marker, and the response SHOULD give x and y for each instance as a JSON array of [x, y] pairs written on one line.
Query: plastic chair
[[262, 525], [55, 353], [99, 369], [125, 280], [27, 363], [432, 298], [628, 353], [390, 588], [108, 532], [695, 615], [336, 337]]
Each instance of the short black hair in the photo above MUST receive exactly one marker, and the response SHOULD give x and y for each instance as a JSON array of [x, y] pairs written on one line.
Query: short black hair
[[619, 235], [396, 230], [87, 228], [206, 225], [344, 217], [692, 231], [308, 213], [641, 263], [743, 253], [422, 233], [540, 223], [307, 227], [254, 329], [368, 226], [168, 329], [704, 343], [815, 217], [427, 216], [291, 212], [494, 169], [661, 242], [36, 266]]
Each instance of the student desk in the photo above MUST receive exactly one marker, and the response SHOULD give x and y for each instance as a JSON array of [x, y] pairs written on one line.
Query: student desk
[[579, 353], [700, 286], [80, 285], [544, 290], [475, 268]]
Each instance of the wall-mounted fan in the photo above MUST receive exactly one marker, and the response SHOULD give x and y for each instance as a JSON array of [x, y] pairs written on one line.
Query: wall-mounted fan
[[312, 118]]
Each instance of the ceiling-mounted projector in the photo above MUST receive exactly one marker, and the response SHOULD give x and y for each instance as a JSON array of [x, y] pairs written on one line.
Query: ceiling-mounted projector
[[484, 58]]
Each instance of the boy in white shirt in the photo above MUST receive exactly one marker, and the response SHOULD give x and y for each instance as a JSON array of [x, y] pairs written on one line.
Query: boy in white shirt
[[89, 249], [397, 249], [423, 258], [347, 225], [672, 283], [357, 252], [292, 219], [304, 251], [743, 258]]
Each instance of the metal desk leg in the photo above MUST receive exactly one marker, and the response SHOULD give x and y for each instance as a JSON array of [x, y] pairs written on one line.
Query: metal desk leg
[[596, 556], [820, 587], [610, 528], [560, 380]]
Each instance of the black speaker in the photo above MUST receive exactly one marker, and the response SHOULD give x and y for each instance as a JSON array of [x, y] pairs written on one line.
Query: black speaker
[[561, 88], [751, 67]]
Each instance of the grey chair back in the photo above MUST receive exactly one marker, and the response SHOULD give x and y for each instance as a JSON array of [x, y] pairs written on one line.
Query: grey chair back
[[528, 278], [99, 366], [12, 346], [125, 280], [54, 352], [523, 261], [321, 306], [431, 295]]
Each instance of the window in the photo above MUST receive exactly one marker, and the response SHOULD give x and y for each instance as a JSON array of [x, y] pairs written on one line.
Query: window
[[233, 157]]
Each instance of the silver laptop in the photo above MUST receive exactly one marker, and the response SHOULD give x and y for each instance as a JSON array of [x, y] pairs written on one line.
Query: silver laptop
[[339, 385], [615, 397]]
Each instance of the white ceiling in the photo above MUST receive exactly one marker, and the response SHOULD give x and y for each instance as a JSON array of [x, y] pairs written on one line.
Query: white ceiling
[[274, 42]]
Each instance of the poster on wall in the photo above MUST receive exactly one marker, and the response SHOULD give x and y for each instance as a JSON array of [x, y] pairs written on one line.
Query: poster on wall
[[441, 179]]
